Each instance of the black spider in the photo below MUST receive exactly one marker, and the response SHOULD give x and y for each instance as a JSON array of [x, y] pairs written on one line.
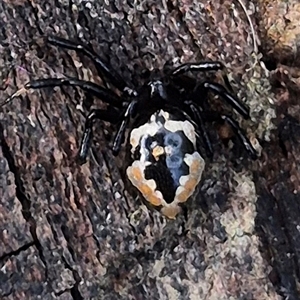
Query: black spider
[[166, 117]]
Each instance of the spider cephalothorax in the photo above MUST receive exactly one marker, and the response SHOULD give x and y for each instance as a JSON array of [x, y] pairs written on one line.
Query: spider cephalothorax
[[165, 118]]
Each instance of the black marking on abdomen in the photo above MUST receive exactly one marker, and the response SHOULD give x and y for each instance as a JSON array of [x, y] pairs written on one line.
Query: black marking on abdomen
[[163, 179]]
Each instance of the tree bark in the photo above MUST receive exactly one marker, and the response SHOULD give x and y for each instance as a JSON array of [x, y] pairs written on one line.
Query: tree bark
[[71, 231]]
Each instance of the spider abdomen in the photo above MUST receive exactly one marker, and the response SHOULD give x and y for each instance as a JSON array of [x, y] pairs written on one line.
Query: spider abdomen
[[166, 165]]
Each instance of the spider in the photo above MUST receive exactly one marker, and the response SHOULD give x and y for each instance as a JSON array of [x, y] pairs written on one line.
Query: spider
[[166, 121]]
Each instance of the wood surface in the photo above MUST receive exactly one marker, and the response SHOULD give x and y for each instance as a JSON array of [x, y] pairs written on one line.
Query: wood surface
[[70, 231]]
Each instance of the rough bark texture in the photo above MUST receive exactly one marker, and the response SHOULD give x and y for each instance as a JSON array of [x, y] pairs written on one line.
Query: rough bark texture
[[280, 30], [73, 232]]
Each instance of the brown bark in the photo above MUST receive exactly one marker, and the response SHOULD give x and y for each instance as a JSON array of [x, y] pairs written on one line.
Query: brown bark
[[279, 27], [73, 232]]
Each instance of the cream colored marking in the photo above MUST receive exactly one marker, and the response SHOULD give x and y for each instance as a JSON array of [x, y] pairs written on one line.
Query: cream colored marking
[[164, 114], [151, 183], [152, 118], [183, 179], [136, 134], [188, 158], [169, 150], [185, 126], [153, 144], [157, 152], [144, 150], [188, 184], [135, 174], [171, 211], [152, 127]]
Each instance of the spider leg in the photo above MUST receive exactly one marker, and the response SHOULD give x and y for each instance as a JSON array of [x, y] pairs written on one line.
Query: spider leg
[[220, 90], [199, 120], [200, 67], [213, 116], [204, 66], [119, 137], [110, 115], [241, 135], [104, 69], [88, 86]]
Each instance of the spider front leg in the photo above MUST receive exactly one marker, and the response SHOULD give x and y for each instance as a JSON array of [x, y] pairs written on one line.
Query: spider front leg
[[111, 115], [200, 67], [204, 66], [102, 67], [88, 86]]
